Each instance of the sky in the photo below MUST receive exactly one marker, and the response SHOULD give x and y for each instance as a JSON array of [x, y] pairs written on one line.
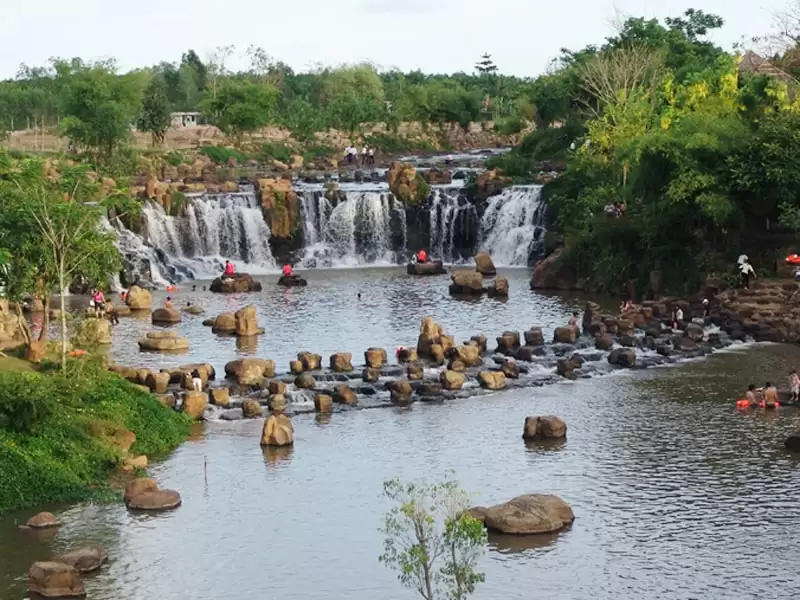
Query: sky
[[522, 36]]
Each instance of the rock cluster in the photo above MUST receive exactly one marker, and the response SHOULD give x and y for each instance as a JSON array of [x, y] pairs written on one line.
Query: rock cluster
[[278, 429]]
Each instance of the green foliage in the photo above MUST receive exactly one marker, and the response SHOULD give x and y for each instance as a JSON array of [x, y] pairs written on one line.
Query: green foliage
[[510, 125], [431, 540], [276, 151], [176, 157], [222, 155], [56, 432], [241, 106], [154, 117]]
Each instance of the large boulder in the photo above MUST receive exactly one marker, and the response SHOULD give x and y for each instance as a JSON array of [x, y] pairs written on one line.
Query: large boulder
[[466, 282], [138, 486], [434, 267], [163, 341], [406, 184], [246, 321], [469, 355], [484, 264], [50, 579], [42, 520], [534, 337], [375, 357], [239, 283], [565, 335], [432, 343], [194, 405], [436, 176], [451, 380], [508, 343], [603, 342], [323, 403], [277, 431], [224, 323], [84, 560], [488, 183], [250, 371], [292, 281], [342, 394], [498, 287], [280, 207], [544, 428], [340, 362], [553, 273], [526, 515], [93, 332], [309, 360], [694, 332], [157, 382], [139, 298], [220, 396], [623, 357], [166, 316], [492, 380]]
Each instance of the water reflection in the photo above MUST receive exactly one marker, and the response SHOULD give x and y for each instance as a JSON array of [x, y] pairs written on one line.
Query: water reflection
[[275, 456], [517, 544]]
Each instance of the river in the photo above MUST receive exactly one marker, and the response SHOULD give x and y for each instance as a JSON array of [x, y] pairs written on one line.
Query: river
[[676, 495]]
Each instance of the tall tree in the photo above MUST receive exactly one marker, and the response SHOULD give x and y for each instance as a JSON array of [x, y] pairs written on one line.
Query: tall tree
[[154, 117], [241, 106]]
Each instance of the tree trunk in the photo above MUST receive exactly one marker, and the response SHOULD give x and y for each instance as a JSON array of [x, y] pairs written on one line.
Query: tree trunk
[[63, 317], [45, 318]]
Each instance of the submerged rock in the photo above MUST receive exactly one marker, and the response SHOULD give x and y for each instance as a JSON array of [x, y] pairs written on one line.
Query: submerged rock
[[466, 282], [42, 520], [292, 281], [544, 428], [84, 560], [526, 515]]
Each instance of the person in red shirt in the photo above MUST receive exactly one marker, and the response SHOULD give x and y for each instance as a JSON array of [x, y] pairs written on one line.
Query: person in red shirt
[[287, 271], [422, 256], [229, 270]]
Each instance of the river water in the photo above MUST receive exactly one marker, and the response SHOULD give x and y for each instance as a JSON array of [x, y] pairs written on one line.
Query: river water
[[676, 495]]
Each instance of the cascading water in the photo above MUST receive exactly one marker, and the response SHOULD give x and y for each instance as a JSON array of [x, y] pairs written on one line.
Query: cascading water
[[211, 228], [453, 225], [512, 226], [352, 228]]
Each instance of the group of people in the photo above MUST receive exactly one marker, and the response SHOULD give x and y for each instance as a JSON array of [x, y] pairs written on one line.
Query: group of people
[[367, 156], [102, 308], [764, 397]]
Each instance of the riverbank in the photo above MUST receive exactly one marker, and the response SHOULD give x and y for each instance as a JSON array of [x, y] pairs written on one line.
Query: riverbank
[[62, 437]]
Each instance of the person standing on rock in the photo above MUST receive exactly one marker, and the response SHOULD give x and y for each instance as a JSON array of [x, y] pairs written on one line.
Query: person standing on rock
[[746, 270], [794, 385], [364, 156], [371, 157], [99, 304], [229, 270]]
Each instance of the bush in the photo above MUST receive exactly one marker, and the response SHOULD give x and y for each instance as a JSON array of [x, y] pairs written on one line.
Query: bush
[[280, 152], [221, 155], [175, 158], [57, 433], [509, 125]]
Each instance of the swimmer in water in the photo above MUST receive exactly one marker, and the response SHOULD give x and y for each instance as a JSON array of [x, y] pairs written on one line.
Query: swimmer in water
[[770, 395], [359, 295], [750, 395]]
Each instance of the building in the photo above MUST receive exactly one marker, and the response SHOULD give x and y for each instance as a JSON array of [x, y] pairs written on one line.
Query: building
[[756, 65], [185, 119]]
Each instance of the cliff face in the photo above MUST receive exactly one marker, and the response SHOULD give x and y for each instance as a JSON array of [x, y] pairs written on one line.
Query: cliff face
[[406, 184]]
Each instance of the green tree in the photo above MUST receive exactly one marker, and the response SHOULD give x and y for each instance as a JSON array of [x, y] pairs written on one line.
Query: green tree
[[100, 106], [241, 106], [486, 66], [432, 542], [154, 117]]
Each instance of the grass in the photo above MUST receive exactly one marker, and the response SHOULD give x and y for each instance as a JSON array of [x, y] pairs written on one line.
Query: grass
[[14, 364]]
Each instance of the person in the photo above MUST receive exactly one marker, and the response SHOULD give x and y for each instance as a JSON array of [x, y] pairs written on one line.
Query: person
[[168, 302], [746, 270], [573, 320], [111, 314], [229, 269], [347, 153], [287, 271], [770, 396], [353, 155], [794, 386], [449, 160], [99, 303], [194, 288], [197, 381], [123, 295], [371, 157], [750, 395], [422, 256], [706, 308], [797, 274], [625, 306], [364, 155], [677, 318]]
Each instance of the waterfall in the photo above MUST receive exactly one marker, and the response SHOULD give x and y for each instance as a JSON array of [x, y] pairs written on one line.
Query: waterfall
[[351, 228], [211, 228], [512, 226], [453, 225]]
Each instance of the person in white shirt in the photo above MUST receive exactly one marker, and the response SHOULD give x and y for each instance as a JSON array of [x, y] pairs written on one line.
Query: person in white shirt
[[371, 157], [746, 270], [363, 155]]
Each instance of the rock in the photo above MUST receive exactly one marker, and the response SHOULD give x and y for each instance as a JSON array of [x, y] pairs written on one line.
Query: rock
[[466, 282], [498, 287], [157, 382], [194, 405], [311, 362], [93, 332], [295, 367], [138, 486], [406, 184], [415, 372], [342, 394], [163, 341], [246, 321], [400, 392], [276, 388], [434, 267], [565, 335], [534, 337], [292, 281], [375, 357], [220, 396], [209, 322], [508, 343], [554, 274], [305, 381], [280, 207], [278, 431], [134, 463], [603, 342], [432, 343], [436, 176], [492, 380], [192, 309], [544, 428], [139, 298], [370, 375], [488, 183], [451, 380], [205, 370], [251, 409], [224, 323], [565, 367], [166, 316], [469, 355], [694, 332], [155, 501], [479, 341], [42, 520], [622, 357], [407, 355], [510, 369], [485, 266], [456, 365], [239, 283], [792, 443], [340, 362], [55, 580], [84, 560], [526, 515], [323, 403], [250, 371]]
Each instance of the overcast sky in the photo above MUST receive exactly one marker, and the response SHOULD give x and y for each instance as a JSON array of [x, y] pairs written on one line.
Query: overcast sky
[[432, 35]]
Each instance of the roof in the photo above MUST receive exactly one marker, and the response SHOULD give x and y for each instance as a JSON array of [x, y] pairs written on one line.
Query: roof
[[185, 114], [753, 63]]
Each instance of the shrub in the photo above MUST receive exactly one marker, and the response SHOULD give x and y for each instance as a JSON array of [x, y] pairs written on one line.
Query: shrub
[[275, 151], [509, 125], [57, 432], [221, 155]]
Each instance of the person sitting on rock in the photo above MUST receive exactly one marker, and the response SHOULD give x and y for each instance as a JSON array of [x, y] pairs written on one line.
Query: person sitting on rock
[[197, 381], [229, 270], [287, 271], [422, 256], [573, 320], [168, 302]]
